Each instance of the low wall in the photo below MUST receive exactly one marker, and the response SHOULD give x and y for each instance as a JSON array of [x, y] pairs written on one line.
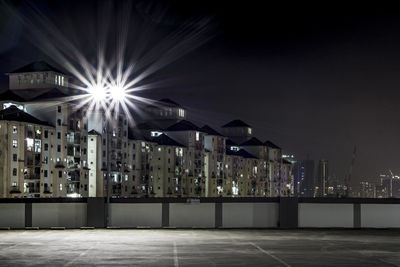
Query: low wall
[[380, 215], [202, 213], [68, 215], [12, 215], [129, 215], [325, 215], [186, 215], [250, 215]]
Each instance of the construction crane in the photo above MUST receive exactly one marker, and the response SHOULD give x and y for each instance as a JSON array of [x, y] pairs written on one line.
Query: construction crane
[[348, 177]]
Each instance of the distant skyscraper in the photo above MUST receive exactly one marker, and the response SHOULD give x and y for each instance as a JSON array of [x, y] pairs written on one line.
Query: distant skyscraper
[[307, 174], [322, 179]]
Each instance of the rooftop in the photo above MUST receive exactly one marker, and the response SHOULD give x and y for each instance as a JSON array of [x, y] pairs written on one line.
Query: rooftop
[[271, 145], [207, 129], [236, 123], [183, 125], [241, 153], [15, 114], [252, 142], [94, 132], [36, 66], [52, 94], [10, 95], [164, 140]]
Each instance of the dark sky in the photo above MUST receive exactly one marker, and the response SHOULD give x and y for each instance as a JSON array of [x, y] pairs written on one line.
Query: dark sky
[[315, 79]]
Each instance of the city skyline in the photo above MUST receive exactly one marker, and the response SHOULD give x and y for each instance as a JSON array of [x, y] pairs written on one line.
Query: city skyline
[[311, 88]]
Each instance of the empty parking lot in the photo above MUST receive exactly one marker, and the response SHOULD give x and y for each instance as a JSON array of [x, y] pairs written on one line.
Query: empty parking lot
[[200, 247]]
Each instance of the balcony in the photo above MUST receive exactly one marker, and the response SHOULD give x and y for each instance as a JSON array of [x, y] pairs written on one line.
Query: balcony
[[32, 177]]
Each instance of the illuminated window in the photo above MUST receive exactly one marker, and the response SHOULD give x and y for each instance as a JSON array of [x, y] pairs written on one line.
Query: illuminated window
[[155, 133], [181, 112], [62, 80], [60, 187], [38, 146], [197, 136], [249, 130], [15, 143], [15, 129]]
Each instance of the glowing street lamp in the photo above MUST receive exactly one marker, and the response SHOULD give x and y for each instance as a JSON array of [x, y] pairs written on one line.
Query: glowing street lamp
[[106, 96]]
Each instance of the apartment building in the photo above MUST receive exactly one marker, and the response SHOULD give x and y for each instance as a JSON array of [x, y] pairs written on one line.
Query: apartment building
[[27, 156], [68, 150]]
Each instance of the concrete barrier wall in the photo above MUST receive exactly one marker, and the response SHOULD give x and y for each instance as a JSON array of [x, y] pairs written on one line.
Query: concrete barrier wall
[[207, 213], [69, 215], [247, 215], [129, 215], [325, 215], [192, 215], [12, 215], [380, 215]]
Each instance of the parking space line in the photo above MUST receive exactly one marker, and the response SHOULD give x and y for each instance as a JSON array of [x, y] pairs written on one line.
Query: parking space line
[[269, 254], [176, 262]]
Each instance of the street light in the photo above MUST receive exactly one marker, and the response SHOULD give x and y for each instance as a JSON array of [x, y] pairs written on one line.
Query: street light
[[104, 96]]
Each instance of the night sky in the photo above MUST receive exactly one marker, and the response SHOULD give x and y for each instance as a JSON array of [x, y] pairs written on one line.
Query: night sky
[[316, 80]]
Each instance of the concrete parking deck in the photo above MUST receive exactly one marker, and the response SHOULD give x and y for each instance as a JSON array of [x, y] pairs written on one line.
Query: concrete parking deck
[[200, 247]]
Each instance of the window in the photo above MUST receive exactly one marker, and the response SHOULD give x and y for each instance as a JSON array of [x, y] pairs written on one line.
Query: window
[[15, 143], [45, 160], [85, 187], [249, 130], [197, 136], [14, 157], [46, 134], [46, 147], [59, 174], [15, 172], [59, 109], [62, 80], [59, 122], [181, 112], [58, 135], [60, 187], [45, 173], [58, 148], [15, 129]]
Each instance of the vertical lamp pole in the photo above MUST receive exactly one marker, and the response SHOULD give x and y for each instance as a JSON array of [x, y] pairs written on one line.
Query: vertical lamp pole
[[108, 130]]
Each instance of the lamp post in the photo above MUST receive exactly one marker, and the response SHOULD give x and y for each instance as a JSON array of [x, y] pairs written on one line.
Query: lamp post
[[109, 97]]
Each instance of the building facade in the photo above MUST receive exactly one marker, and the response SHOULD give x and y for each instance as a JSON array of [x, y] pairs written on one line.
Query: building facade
[[62, 149]]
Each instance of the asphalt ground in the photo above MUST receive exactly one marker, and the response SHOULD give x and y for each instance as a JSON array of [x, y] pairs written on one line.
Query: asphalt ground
[[169, 247]]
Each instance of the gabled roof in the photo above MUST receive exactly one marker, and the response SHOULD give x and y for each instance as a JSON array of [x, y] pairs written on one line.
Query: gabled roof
[[183, 125], [15, 114], [94, 132], [241, 153], [271, 145], [147, 126], [236, 123], [207, 129], [134, 135], [229, 142], [52, 94], [252, 142], [36, 66], [164, 140], [10, 95]]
